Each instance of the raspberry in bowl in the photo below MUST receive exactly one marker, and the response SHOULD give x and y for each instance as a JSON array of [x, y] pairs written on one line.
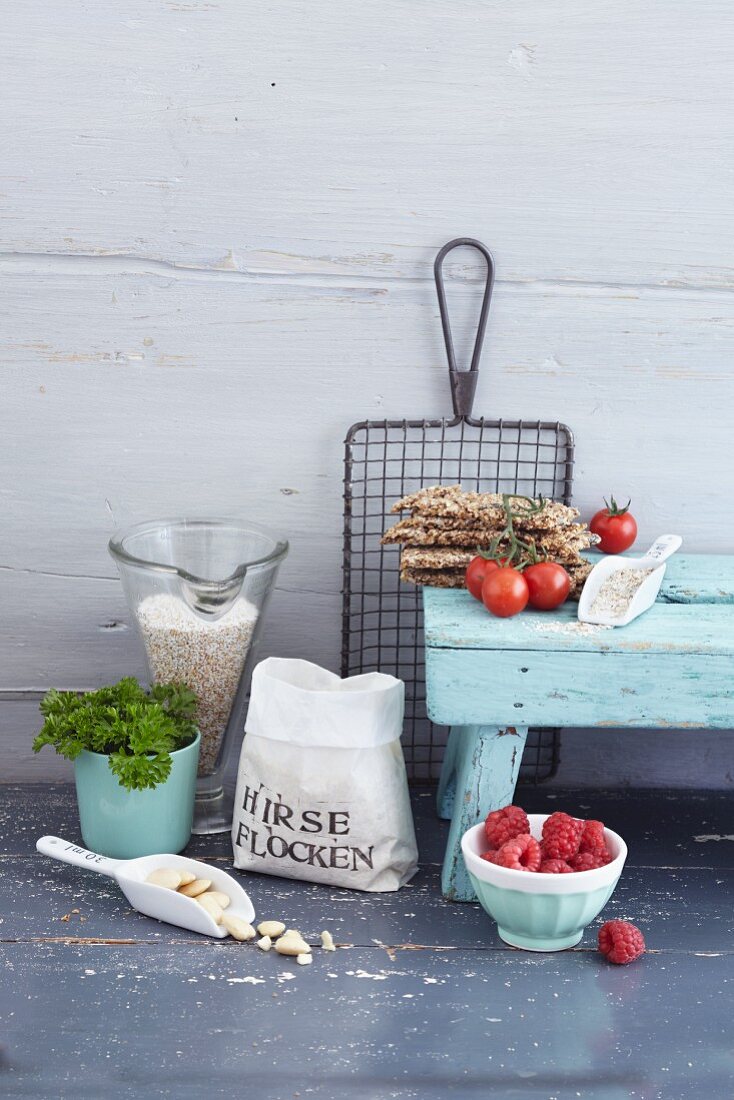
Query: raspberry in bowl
[[536, 910]]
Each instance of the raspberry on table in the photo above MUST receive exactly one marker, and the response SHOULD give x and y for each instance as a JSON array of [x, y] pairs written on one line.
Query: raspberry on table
[[555, 867], [592, 838], [621, 942], [561, 836], [522, 853], [589, 861], [502, 825]]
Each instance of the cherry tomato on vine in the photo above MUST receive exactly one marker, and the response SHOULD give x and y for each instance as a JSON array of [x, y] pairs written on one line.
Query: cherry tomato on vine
[[476, 571], [548, 584], [505, 592], [615, 526]]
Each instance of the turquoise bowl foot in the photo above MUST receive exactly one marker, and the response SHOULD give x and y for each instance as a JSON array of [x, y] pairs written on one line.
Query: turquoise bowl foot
[[539, 943]]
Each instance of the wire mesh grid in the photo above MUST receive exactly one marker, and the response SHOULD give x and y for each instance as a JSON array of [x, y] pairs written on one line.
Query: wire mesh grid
[[382, 619]]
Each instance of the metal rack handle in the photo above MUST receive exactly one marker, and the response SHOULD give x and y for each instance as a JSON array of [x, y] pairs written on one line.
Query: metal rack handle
[[463, 383]]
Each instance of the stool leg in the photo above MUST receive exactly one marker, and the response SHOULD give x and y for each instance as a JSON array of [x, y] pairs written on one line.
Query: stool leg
[[487, 762], [447, 783]]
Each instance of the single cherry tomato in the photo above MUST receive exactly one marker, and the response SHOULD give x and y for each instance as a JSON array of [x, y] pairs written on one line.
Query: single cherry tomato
[[548, 584], [505, 592], [476, 571], [615, 526]]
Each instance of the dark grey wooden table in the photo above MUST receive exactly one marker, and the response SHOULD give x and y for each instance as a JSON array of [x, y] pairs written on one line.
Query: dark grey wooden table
[[422, 1000]]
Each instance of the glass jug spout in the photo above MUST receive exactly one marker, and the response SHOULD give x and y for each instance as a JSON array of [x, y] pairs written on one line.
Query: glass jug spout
[[208, 598]]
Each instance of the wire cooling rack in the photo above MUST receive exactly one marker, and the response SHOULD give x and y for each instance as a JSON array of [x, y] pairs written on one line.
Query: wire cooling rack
[[382, 617], [382, 623]]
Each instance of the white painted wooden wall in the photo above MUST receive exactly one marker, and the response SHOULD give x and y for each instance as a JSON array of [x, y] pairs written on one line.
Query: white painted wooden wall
[[218, 221]]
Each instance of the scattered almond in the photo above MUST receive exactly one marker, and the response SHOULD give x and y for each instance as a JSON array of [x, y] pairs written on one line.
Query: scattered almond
[[304, 960], [237, 927], [265, 943], [292, 945], [327, 941], [166, 877], [272, 928]]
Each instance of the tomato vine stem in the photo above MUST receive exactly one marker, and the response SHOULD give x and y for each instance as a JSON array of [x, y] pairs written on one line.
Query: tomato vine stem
[[518, 554]]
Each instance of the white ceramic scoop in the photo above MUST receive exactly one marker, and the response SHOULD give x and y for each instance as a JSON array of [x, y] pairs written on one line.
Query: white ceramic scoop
[[157, 901], [646, 594]]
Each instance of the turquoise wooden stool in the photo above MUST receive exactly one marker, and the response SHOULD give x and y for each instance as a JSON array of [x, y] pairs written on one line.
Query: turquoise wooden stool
[[490, 679]]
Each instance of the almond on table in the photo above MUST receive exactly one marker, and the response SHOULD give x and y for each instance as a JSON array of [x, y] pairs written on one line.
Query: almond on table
[[272, 928], [292, 945], [239, 929]]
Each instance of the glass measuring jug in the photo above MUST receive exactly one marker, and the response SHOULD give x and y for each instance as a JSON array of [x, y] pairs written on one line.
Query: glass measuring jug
[[198, 589]]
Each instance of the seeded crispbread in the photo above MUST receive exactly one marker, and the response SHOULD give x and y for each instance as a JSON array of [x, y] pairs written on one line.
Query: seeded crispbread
[[452, 501], [447, 526], [417, 532], [430, 528], [443, 557], [578, 574], [573, 538], [454, 578], [425, 497], [446, 578], [455, 557]]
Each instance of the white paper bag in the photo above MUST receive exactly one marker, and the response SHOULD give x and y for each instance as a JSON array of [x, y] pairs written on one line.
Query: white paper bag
[[321, 789]]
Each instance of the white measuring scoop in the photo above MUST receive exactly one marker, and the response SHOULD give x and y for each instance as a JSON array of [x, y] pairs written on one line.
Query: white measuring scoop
[[646, 594], [157, 901]]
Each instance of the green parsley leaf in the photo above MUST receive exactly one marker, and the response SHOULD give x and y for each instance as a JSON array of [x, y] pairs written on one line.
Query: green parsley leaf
[[137, 729]]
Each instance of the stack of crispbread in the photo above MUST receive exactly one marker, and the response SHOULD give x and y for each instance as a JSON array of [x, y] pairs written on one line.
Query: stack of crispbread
[[446, 526]]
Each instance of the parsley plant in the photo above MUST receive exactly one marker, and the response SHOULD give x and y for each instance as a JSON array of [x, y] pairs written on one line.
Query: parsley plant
[[137, 729]]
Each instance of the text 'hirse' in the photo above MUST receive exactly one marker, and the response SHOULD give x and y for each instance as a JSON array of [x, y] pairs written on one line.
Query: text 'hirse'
[[276, 814]]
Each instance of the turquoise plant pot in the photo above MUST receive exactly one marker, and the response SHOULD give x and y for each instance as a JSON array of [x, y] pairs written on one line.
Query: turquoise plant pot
[[124, 824], [541, 912]]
